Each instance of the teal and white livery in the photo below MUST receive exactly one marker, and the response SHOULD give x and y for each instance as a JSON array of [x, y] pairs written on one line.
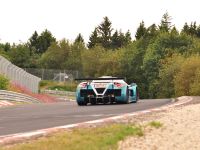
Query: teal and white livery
[[104, 90]]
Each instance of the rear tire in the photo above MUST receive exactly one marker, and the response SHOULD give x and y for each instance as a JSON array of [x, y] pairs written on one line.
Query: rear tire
[[137, 96], [127, 96], [82, 103], [93, 103]]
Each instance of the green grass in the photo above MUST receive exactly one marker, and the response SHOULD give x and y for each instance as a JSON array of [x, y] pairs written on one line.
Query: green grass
[[101, 138], [62, 86], [20, 103], [155, 124]]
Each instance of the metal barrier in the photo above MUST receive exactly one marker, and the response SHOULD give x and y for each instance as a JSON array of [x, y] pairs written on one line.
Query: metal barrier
[[19, 76], [14, 96]]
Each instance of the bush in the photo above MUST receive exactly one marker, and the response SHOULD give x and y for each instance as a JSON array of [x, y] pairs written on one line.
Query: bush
[[187, 79], [4, 83], [195, 86], [168, 70]]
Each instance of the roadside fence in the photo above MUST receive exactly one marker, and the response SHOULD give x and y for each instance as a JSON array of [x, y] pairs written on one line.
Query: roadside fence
[[19, 76], [54, 74]]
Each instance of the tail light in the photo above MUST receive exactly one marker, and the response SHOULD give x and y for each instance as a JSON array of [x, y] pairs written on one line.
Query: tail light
[[83, 84], [119, 85]]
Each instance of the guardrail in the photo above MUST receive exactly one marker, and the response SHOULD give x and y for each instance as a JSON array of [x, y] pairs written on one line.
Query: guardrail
[[14, 96]]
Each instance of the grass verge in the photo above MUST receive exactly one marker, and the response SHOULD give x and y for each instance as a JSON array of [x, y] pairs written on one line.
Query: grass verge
[[155, 124], [61, 86], [101, 138]]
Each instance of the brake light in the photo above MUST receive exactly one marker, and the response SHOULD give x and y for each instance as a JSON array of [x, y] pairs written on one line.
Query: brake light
[[83, 84], [118, 84]]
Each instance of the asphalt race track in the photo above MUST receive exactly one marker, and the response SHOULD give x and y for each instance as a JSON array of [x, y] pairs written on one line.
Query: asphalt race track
[[24, 118]]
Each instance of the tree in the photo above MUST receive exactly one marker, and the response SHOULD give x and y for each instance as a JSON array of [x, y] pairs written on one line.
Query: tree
[[165, 24], [105, 29], [193, 29], [7, 47], [174, 30], [194, 87], [74, 61], [20, 55], [79, 39], [131, 62], [33, 42], [165, 45], [91, 61], [128, 38], [93, 39], [141, 31], [186, 29], [110, 66], [198, 31], [56, 55], [120, 40], [115, 40], [44, 41], [186, 81], [4, 54], [152, 31], [170, 66]]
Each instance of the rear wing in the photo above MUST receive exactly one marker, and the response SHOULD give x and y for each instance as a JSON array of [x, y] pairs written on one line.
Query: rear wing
[[113, 78]]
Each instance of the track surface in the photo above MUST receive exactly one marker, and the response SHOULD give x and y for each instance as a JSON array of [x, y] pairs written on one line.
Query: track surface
[[38, 116]]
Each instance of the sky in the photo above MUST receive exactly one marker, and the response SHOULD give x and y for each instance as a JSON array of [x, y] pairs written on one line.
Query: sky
[[68, 18]]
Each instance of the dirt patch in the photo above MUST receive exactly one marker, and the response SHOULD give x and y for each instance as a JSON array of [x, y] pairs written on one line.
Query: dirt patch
[[180, 131]]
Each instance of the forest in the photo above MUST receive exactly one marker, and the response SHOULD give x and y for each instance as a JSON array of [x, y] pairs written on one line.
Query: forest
[[162, 60]]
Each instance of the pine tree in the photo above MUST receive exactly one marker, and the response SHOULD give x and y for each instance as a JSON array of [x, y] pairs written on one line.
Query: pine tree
[[128, 38], [193, 28], [33, 42], [174, 30], [198, 31], [44, 41], [141, 31], [105, 29], [115, 40], [93, 39], [165, 24], [79, 39], [7, 47], [152, 30], [120, 40], [186, 29]]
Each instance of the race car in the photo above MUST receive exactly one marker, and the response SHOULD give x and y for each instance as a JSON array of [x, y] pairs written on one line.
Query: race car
[[104, 90]]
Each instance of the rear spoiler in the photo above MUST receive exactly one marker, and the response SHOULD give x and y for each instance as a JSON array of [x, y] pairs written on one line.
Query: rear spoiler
[[117, 78]]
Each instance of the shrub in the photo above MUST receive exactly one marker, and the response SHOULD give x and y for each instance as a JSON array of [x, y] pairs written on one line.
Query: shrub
[[187, 80], [195, 86], [4, 83], [155, 124], [170, 66]]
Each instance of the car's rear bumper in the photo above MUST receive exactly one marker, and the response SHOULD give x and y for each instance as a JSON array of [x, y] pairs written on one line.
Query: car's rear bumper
[[103, 99]]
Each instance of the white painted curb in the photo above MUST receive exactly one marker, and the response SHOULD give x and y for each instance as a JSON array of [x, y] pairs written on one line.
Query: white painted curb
[[38, 133], [5, 103]]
